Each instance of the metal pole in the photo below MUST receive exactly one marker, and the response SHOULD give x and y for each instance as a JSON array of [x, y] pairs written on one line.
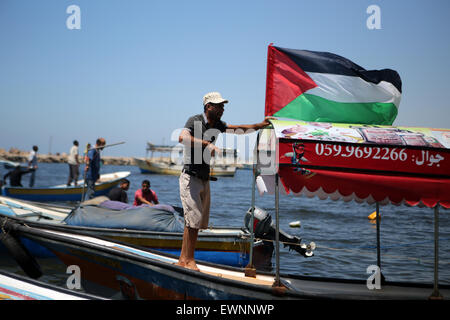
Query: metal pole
[[253, 214], [250, 271], [277, 232], [378, 236], [436, 294], [382, 279]]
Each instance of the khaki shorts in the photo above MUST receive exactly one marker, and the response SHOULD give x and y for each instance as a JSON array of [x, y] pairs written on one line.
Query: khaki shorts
[[195, 198]]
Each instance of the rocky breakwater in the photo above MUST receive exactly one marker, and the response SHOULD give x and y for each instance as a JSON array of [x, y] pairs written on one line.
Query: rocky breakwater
[[17, 155]]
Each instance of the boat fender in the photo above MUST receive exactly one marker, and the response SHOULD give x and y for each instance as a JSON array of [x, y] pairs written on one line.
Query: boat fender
[[19, 252], [373, 216], [295, 224]]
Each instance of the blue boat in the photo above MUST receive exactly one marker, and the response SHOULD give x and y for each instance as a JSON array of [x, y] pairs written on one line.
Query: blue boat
[[228, 246]]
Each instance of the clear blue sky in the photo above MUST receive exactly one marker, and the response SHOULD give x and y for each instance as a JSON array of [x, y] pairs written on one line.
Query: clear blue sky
[[136, 70]]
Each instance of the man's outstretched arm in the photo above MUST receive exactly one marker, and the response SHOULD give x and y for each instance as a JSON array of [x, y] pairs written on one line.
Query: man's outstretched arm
[[255, 126]]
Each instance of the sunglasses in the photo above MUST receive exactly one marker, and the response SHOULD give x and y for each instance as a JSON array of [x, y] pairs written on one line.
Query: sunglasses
[[217, 105]]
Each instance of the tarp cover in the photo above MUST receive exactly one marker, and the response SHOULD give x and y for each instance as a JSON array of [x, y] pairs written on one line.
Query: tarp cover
[[161, 218]]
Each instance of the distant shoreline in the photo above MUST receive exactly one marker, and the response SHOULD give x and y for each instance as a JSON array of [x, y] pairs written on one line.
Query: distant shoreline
[[20, 156]]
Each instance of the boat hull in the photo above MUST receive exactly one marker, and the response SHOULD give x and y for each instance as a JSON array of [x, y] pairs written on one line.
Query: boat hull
[[109, 269], [61, 193], [226, 250]]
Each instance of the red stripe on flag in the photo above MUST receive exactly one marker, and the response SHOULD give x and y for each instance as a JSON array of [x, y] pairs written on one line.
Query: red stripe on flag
[[285, 81]]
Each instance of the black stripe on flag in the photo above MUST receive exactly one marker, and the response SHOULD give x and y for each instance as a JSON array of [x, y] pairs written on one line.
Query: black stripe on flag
[[326, 62]]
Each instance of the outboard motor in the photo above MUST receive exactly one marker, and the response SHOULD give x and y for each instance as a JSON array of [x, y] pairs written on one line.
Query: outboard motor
[[264, 229]]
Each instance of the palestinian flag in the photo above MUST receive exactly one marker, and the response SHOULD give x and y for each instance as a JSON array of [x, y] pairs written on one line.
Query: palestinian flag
[[325, 87]]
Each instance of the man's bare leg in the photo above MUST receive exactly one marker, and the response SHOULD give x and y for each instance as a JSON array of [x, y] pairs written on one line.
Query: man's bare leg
[[188, 248]]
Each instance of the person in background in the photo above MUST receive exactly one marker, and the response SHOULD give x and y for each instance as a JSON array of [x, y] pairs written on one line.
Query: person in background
[[120, 193], [92, 168], [145, 195], [86, 159], [74, 164], [32, 164]]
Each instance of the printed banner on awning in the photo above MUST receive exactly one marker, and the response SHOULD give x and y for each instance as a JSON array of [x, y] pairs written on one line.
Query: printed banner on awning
[[421, 151], [366, 134]]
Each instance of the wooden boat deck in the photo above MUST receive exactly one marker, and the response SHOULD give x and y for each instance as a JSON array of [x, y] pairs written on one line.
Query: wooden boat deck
[[237, 276]]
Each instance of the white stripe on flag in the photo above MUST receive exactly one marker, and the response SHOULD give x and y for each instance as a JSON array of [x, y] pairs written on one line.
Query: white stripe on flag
[[351, 89]]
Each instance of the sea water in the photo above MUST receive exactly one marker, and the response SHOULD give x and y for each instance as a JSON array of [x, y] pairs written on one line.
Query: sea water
[[345, 238]]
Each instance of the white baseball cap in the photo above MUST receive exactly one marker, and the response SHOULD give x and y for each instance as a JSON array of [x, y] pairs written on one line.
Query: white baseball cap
[[213, 97]]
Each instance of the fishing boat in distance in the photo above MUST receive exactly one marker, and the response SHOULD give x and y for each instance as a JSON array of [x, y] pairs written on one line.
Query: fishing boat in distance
[[224, 165], [63, 192]]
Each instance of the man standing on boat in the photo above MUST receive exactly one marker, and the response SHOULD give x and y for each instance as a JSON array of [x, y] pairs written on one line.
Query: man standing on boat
[[74, 163], [92, 168], [32, 164], [198, 136]]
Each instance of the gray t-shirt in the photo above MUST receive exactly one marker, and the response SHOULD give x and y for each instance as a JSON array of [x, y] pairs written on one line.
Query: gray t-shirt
[[194, 159]]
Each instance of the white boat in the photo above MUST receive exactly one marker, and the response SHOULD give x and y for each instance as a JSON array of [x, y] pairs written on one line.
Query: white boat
[[158, 166], [224, 165]]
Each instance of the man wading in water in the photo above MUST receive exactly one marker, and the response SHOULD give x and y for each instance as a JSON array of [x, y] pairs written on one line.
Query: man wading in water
[[198, 136]]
